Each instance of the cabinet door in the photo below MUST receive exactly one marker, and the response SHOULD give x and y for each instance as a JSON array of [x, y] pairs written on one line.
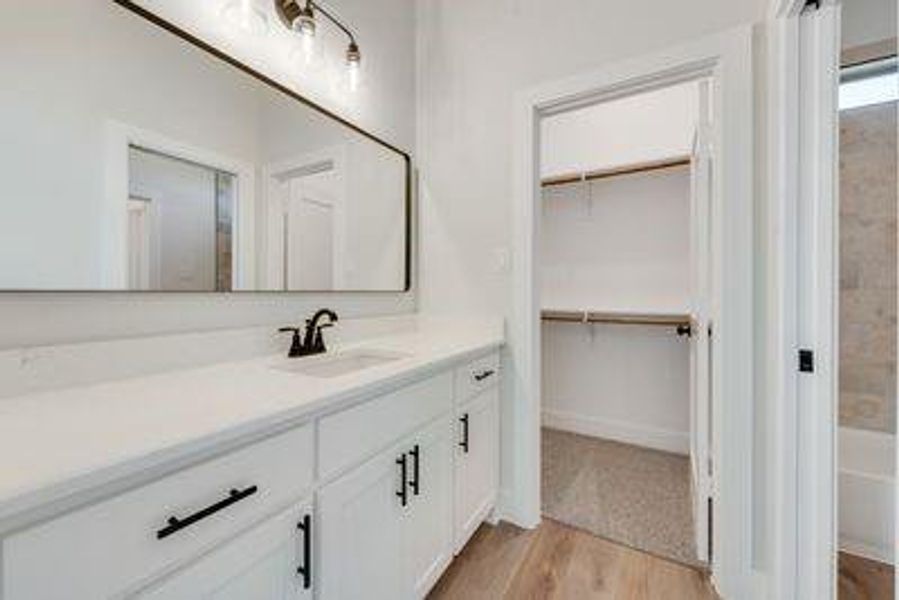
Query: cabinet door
[[428, 530], [360, 534], [476, 463], [265, 562]]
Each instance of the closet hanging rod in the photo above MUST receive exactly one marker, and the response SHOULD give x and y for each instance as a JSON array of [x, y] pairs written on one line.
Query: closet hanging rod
[[682, 322], [642, 167]]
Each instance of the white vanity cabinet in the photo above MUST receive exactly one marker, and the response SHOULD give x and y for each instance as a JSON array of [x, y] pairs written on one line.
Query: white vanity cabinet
[[271, 561], [367, 500]]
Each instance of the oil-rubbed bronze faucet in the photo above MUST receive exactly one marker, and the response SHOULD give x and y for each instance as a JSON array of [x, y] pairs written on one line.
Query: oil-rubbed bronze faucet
[[312, 342]]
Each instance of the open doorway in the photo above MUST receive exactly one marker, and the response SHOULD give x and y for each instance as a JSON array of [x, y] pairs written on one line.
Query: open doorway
[[723, 61], [625, 294], [180, 224], [869, 89]]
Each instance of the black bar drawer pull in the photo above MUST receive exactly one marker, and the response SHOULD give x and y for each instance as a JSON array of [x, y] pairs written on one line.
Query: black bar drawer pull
[[483, 375], [464, 419], [175, 524], [403, 493], [306, 570], [416, 474]]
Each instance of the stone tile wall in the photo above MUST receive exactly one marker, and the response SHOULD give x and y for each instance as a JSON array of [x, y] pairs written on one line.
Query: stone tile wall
[[868, 199]]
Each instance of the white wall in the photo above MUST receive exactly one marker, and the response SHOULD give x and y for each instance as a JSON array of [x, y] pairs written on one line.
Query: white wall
[[867, 22], [618, 244], [385, 104], [626, 131], [622, 382]]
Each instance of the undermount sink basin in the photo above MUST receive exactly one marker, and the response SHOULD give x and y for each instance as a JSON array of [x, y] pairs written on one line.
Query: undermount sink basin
[[343, 363]]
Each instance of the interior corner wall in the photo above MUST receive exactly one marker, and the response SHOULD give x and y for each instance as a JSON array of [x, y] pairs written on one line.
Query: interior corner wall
[[385, 105]]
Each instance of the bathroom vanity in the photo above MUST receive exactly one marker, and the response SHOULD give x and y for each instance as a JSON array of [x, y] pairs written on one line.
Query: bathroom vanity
[[354, 474]]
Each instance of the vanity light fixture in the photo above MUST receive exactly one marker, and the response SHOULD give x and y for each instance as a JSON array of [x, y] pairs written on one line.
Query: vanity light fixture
[[301, 16]]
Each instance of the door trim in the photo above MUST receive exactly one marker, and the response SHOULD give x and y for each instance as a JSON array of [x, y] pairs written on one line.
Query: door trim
[[801, 309]]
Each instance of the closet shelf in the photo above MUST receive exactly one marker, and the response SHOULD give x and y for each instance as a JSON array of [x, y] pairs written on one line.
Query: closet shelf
[[682, 322], [641, 167]]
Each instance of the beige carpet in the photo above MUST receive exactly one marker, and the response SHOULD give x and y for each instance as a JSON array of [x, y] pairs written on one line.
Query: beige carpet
[[627, 494]]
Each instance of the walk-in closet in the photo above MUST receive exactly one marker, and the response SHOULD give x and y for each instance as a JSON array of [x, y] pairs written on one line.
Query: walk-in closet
[[625, 280]]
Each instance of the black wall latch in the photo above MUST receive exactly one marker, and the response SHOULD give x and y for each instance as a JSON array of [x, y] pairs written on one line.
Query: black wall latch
[[806, 361]]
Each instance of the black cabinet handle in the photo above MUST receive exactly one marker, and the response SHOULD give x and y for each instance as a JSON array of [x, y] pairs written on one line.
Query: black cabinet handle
[[403, 492], [483, 375], [175, 524], [416, 475], [464, 443], [305, 571]]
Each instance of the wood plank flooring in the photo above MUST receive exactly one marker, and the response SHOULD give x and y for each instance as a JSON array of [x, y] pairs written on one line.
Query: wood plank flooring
[[557, 562], [862, 579]]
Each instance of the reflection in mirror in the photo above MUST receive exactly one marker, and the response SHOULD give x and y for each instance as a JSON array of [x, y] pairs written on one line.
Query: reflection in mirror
[[179, 224], [143, 162]]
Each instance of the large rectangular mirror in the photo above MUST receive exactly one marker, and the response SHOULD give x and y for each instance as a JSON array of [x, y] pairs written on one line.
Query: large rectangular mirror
[[134, 158]]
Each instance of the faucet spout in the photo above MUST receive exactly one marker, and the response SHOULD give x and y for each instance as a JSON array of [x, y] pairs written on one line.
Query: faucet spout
[[312, 340]]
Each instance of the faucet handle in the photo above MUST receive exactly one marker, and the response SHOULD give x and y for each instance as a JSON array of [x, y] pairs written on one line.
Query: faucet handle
[[296, 345]]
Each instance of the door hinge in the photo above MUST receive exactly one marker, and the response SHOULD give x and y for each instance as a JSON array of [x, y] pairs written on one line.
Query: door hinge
[[806, 360]]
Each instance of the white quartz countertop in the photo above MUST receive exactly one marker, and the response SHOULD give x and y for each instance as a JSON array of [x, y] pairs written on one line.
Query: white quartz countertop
[[57, 445]]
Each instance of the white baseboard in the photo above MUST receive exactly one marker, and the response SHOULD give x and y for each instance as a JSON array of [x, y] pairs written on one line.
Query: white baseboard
[[878, 554], [619, 431]]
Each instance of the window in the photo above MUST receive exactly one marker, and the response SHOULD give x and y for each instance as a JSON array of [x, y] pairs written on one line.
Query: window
[[869, 83]]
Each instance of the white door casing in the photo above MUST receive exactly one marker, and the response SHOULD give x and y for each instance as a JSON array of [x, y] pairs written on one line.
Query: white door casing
[[801, 247], [817, 296]]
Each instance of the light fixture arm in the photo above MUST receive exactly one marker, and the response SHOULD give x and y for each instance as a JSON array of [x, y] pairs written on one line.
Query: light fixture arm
[[315, 6]]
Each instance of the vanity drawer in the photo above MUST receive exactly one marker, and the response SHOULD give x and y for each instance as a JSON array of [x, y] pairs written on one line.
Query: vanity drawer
[[108, 548], [477, 376], [349, 437]]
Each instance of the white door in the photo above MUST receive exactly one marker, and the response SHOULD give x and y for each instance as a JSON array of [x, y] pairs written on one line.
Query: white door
[[476, 463], [267, 563], [361, 532], [309, 231], [428, 533], [702, 471]]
